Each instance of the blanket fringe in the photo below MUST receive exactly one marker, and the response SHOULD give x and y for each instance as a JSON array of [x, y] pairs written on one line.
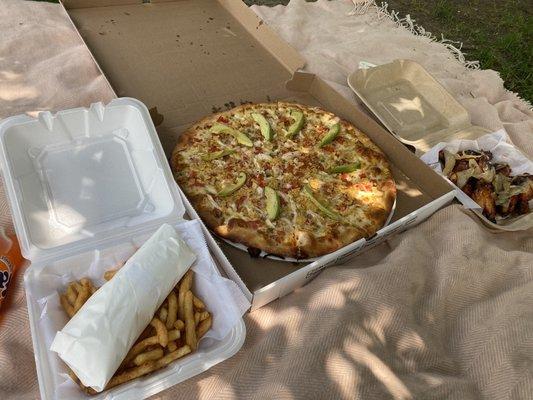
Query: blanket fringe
[[382, 10]]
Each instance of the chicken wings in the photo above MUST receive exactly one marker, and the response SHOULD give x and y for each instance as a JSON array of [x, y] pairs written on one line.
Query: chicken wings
[[489, 184]]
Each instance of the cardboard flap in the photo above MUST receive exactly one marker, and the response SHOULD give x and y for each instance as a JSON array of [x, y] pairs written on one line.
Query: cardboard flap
[[300, 82]]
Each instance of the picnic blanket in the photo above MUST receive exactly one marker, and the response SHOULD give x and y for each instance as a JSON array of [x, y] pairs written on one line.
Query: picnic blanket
[[443, 311]]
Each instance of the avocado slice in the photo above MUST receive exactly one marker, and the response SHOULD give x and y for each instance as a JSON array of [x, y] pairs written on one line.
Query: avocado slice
[[218, 154], [266, 129], [241, 137], [331, 135], [297, 125], [232, 188], [321, 206], [272, 203], [345, 168]]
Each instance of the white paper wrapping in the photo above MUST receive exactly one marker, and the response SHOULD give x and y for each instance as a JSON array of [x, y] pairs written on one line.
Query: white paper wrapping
[[497, 143], [96, 340]]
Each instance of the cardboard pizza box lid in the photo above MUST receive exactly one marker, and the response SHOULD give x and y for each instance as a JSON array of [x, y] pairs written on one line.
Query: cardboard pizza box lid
[[412, 105], [186, 58]]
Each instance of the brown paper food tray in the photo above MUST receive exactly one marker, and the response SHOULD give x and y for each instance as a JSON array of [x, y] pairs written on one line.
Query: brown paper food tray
[[412, 105], [190, 58], [420, 112]]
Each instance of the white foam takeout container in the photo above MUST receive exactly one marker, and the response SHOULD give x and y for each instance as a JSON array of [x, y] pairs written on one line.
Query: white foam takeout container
[[421, 113], [86, 187]]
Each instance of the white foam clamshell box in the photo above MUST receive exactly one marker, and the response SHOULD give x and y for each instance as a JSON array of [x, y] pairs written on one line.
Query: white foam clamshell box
[[87, 187]]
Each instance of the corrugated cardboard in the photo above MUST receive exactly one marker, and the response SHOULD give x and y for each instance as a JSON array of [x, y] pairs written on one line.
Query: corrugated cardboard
[[190, 58]]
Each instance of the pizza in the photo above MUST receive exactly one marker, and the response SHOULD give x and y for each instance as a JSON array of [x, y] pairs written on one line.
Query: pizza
[[288, 179]]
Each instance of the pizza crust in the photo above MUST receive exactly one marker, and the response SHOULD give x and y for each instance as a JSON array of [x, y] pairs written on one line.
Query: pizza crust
[[241, 231], [298, 241]]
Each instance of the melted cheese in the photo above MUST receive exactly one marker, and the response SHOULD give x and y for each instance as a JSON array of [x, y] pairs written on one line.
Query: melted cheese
[[286, 165]]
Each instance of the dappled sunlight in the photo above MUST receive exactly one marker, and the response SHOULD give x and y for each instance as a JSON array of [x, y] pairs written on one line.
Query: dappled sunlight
[[410, 341], [86, 188], [381, 371], [409, 191], [343, 373], [17, 92], [326, 298], [270, 318], [9, 75], [278, 391], [97, 156], [414, 104], [58, 224], [432, 379], [327, 340], [205, 388], [66, 217], [377, 322]]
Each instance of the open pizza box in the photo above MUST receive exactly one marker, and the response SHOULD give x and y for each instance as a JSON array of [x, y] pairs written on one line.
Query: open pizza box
[[421, 113], [190, 58]]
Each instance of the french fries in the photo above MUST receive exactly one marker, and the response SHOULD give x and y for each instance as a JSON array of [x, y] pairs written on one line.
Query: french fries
[[174, 332], [174, 335], [108, 275], [130, 374], [139, 348], [67, 306], [163, 314], [190, 326], [198, 303], [172, 309], [76, 295], [184, 286], [172, 346], [173, 356], [196, 318], [200, 316], [161, 330], [71, 294], [86, 283], [203, 327], [152, 355]]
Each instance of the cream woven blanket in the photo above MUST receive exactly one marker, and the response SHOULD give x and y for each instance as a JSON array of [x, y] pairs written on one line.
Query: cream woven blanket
[[444, 311]]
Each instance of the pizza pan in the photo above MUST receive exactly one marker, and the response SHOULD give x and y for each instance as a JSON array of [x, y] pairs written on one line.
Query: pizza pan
[[264, 254]]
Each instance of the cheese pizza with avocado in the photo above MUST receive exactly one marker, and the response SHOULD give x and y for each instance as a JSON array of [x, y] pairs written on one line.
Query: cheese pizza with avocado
[[291, 180]]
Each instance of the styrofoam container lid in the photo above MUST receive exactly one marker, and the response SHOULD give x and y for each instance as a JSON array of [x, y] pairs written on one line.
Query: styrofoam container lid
[[84, 175]]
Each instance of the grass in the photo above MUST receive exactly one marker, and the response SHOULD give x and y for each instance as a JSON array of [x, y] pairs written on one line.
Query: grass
[[498, 33]]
